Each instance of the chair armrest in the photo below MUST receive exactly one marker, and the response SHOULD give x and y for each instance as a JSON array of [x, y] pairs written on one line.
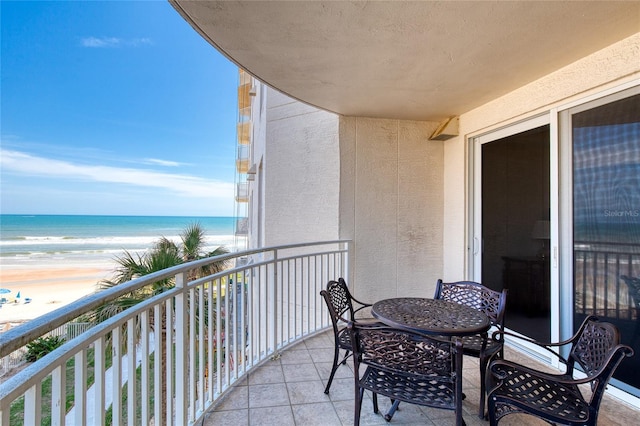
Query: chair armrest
[[362, 304], [544, 345], [564, 342]]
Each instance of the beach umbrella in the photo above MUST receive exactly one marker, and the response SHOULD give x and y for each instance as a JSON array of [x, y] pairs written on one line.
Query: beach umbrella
[[4, 291]]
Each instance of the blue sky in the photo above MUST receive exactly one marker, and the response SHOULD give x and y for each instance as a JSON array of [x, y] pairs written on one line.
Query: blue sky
[[113, 107]]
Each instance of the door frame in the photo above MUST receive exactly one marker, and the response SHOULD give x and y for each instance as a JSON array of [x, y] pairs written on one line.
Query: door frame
[[474, 242]]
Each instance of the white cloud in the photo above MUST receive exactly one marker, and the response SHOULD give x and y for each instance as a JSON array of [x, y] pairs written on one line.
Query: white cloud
[[190, 186], [159, 162], [99, 42]]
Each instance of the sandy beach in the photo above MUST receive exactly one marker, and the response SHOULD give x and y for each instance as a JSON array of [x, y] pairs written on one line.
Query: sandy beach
[[49, 287]]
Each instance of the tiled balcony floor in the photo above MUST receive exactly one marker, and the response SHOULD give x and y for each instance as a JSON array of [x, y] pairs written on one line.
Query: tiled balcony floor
[[290, 391]]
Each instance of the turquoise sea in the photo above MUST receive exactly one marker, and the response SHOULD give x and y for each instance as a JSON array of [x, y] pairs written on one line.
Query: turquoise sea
[[71, 239]]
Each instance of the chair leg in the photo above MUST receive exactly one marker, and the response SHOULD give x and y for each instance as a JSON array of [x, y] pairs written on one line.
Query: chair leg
[[392, 410], [483, 386], [491, 408], [358, 406], [333, 369]]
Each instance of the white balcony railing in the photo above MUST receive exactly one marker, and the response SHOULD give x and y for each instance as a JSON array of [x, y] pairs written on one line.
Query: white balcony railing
[[170, 357]]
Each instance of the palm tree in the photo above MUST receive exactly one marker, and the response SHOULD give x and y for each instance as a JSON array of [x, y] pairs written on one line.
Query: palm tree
[[164, 254]]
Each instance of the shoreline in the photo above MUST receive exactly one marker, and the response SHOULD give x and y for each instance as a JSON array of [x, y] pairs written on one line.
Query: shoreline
[[48, 286]]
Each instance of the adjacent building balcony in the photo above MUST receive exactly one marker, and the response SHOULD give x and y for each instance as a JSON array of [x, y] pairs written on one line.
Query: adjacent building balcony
[[242, 192], [242, 226], [243, 130], [242, 159]]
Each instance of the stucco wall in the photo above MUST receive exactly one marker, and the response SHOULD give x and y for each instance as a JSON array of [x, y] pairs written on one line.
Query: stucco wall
[[301, 172], [391, 205], [610, 67]]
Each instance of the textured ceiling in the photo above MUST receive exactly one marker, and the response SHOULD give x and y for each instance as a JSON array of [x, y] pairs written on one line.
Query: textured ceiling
[[423, 60]]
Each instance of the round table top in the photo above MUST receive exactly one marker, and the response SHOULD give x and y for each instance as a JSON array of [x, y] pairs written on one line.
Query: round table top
[[431, 316]]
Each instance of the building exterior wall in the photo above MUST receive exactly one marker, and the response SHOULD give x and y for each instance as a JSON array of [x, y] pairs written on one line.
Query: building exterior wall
[[615, 65], [295, 192], [391, 205]]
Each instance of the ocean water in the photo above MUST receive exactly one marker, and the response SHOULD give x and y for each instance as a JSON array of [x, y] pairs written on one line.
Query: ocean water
[[69, 239]]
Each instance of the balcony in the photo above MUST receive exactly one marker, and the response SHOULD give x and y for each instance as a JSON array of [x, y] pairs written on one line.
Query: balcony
[[242, 226], [242, 159], [240, 346], [242, 192], [244, 95], [243, 130], [290, 388]]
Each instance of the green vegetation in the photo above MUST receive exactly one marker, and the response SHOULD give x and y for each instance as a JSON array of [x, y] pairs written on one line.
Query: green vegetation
[[164, 254], [42, 346]]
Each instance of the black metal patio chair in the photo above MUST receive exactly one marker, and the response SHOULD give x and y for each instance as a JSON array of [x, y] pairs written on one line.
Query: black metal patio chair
[[556, 398], [406, 366], [342, 307], [492, 304]]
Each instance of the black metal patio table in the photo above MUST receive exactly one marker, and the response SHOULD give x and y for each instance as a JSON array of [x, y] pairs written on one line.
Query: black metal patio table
[[431, 316]]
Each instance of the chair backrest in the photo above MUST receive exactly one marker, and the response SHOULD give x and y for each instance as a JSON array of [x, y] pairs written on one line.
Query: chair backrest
[[338, 300], [475, 295], [404, 351], [597, 350], [593, 345], [421, 358]]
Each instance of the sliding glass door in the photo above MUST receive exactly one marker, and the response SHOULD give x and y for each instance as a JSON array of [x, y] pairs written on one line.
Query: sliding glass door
[[512, 225], [604, 211], [555, 219]]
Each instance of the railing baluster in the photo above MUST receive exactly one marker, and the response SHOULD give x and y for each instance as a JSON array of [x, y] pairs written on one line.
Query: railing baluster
[[144, 368], [193, 352], [181, 348], [158, 373], [168, 368], [32, 404], [98, 386], [4, 416], [218, 338], [297, 301], [283, 291], [311, 285], [210, 344], [243, 323], [131, 372], [250, 279], [58, 394], [80, 387], [273, 303], [116, 376], [228, 355], [201, 350]]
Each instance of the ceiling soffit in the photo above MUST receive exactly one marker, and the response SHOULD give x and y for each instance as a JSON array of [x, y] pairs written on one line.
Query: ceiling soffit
[[409, 60]]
